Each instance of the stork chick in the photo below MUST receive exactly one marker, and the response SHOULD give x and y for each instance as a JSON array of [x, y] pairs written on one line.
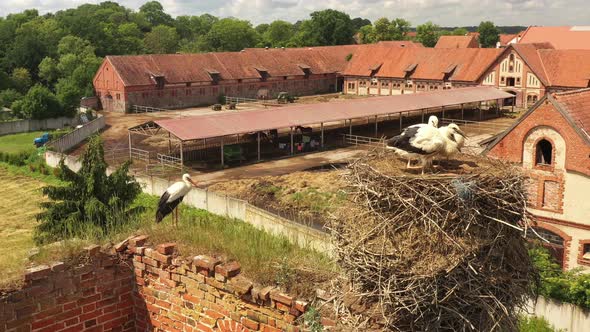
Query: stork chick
[[455, 139]]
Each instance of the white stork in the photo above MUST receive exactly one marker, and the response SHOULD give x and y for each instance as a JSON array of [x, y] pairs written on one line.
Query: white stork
[[172, 197], [421, 141], [456, 141], [433, 121]]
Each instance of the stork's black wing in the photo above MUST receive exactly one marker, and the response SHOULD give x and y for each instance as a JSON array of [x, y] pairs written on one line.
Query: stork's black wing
[[165, 207], [403, 141]]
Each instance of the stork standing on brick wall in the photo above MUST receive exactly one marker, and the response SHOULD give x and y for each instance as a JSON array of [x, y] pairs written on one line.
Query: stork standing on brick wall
[[172, 197]]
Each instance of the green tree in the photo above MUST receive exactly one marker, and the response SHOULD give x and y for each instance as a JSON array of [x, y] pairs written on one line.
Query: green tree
[[38, 103], [367, 34], [48, 71], [382, 29], [69, 93], [359, 22], [460, 32], [21, 79], [9, 96], [162, 39], [489, 34], [5, 81], [154, 13], [399, 28], [427, 34], [279, 33], [90, 200], [261, 28], [230, 34], [329, 27]]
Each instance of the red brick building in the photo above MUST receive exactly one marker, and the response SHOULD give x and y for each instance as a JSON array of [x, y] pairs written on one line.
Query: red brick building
[[526, 70], [552, 143], [381, 70], [184, 80]]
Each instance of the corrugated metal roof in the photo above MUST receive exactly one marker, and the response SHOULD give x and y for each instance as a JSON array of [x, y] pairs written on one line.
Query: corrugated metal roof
[[232, 123]]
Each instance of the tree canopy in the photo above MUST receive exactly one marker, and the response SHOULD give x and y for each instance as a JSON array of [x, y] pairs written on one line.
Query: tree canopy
[[427, 34], [489, 34]]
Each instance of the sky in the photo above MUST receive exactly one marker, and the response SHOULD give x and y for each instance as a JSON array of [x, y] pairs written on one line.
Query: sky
[[441, 12]]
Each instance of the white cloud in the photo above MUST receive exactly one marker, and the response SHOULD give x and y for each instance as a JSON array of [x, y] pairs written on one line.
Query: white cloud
[[442, 12]]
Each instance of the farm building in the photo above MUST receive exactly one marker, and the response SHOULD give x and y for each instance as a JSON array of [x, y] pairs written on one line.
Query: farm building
[[552, 143], [526, 71], [184, 80], [468, 41]]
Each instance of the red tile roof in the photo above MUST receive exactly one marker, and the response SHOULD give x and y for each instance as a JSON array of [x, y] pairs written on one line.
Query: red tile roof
[[429, 63], [506, 38], [562, 37], [577, 105], [232, 123], [468, 41], [556, 68], [400, 43], [181, 68]]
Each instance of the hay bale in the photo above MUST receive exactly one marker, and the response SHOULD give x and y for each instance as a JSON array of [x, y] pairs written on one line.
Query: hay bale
[[437, 252]]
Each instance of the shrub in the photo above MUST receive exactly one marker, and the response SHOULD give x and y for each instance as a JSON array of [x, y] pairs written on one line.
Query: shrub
[[90, 201], [571, 286], [534, 324]]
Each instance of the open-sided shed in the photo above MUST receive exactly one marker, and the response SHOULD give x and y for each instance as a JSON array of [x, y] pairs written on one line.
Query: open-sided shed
[[228, 124]]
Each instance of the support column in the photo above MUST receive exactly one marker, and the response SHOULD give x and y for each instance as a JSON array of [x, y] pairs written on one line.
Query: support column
[[462, 111], [130, 158], [401, 121], [291, 140], [422, 116], [169, 145], [376, 126], [513, 103], [442, 108], [350, 127], [222, 161], [322, 135], [258, 146], [181, 158], [480, 111]]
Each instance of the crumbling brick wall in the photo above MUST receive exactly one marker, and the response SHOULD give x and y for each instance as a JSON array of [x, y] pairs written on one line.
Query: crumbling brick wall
[[139, 288], [94, 296]]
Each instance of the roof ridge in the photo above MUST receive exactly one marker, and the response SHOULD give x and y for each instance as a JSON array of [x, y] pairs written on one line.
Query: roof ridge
[[543, 66], [571, 92]]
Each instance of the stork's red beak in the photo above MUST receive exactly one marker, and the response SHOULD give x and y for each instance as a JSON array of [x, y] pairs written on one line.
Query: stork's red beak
[[193, 182]]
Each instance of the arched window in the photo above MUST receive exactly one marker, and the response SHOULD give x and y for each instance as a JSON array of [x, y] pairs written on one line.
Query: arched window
[[544, 153]]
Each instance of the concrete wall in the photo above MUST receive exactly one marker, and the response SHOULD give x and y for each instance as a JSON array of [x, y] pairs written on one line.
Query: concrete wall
[[78, 135], [563, 316], [225, 206], [23, 126]]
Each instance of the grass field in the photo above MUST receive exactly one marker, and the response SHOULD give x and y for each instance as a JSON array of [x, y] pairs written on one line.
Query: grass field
[[18, 198], [21, 142]]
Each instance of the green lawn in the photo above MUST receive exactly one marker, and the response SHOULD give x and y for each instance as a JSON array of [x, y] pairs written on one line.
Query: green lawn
[[21, 142], [18, 142]]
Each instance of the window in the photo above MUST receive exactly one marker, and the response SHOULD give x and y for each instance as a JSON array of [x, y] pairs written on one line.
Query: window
[[385, 84], [531, 99], [518, 81], [118, 96], [363, 83], [502, 79], [510, 81], [351, 85], [511, 63], [544, 153], [586, 251]]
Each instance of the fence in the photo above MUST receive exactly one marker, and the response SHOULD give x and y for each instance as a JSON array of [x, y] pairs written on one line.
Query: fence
[[563, 316], [225, 206], [362, 140], [479, 125], [23, 126], [146, 109], [78, 135]]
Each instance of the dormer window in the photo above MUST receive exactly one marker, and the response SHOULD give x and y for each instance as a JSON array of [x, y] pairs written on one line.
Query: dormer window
[[544, 153], [263, 72], [215, 76], [410, 70], [306, 69], [374, 69], [159, 82], [449, 72]]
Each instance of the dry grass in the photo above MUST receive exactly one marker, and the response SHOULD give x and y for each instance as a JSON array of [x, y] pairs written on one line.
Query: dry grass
[[19, 197]]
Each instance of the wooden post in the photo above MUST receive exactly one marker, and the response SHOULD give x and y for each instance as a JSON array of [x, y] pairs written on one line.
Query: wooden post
[[376, 126], [258, 146], [222, 161], [181, 158], [322, 135], [291, 140], [130, 158], [513, 103], [350, 128], [442, 108], [462, 111], [169, 144], [480, 111], [422, 116], [401, 120]]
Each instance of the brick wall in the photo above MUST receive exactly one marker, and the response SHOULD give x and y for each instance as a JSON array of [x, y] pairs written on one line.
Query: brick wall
[[140, 288], [96, 296]]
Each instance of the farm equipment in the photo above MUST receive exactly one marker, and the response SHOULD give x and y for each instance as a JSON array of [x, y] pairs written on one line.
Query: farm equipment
[[285, 97], [40, 141]]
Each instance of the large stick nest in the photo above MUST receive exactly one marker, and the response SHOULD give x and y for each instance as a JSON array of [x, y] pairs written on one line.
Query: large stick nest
[[437, 252]]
